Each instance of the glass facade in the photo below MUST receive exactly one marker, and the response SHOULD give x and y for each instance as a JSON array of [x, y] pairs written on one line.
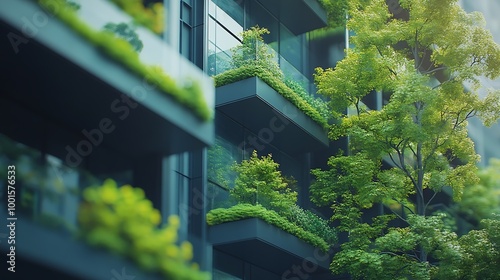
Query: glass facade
[[228, 18], [235, 142], [49, 191]]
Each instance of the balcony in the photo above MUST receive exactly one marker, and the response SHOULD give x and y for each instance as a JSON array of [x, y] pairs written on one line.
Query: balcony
[[267, 246], [60, 255], [55, 77], [258, 219], [260, 108], [63, 227], [270, 99]]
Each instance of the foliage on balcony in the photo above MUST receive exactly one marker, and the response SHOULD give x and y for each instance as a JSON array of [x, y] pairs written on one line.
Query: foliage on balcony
[[253, 58], [151, 17], [261, 191], [189, 95], [317, 103], [245, 211], [260, 181], [123, 221], [311, 222]]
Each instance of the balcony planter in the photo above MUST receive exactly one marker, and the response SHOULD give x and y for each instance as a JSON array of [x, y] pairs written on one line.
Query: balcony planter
[[266, 245], [54, 254], [259, 71], [86, 89], [261, 109]]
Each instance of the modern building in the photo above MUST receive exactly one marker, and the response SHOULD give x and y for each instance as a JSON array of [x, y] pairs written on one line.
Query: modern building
[[76, 109]]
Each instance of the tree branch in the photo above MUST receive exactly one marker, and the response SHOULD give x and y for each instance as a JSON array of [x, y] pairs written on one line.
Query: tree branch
[[382, 55], [427, 204], [434, 70]]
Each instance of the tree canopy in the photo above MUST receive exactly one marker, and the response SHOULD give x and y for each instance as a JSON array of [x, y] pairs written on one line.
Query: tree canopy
[[414, 147]]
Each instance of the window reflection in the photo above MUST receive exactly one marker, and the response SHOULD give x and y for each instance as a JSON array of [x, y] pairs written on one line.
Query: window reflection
[[229, 13]]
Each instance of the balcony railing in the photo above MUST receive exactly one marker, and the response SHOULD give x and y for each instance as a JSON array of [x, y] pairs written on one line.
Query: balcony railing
[[52, 210], [236, 191], [256, 58]]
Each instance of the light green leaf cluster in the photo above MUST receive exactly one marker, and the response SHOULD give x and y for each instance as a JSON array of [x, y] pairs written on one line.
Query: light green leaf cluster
[[126, 32], [416, 145], [152, 16], [311, 222], [122, 220], [377, 252], [260, 182], [482, 200], [254, 51], [481, 251], [245, 211]]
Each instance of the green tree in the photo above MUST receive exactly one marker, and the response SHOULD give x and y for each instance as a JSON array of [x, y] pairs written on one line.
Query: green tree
[[421, 59], [482, 200], [260, 182], [481, 251]]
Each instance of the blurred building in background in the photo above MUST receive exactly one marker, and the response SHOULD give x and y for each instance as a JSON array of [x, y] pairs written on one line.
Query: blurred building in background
[[487, 139]]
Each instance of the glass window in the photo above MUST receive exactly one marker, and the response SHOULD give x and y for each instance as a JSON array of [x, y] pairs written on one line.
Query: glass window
[[186, 13], [263, 18], [49, 191], [291, 47], [219, 48], [229, 13], [224, 40], [221, 156], [259, 273]]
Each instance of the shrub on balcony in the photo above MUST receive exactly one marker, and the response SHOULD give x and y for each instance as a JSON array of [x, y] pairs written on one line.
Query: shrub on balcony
[[317, 103], [245, 211], [261, 191], [253, 58], [312, 223], [260, 182], [253, 51], [123, 221], [189, 95]]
